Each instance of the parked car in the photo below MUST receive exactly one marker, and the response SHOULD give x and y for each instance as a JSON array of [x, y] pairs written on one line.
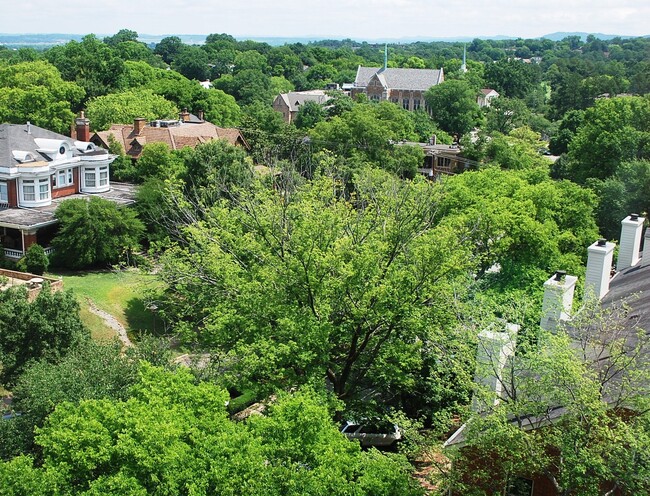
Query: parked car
[[372, 433]]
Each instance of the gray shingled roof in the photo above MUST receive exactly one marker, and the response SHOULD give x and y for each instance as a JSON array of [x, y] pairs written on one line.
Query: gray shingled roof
[[633, 286], [400, 79], [16, 137], [295, 99]]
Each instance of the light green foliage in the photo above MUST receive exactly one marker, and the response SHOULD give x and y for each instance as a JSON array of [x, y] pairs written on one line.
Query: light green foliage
[[218, 107], [311, 284], [42, 329], [95, 232], [35, 260], [122, 108], [613, 130], [158, 160], [574, 411], [35, 92], [173, 436], [453, 106], [542, 227]]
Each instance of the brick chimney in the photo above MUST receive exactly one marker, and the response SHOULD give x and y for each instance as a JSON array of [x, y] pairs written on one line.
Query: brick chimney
[[495, 352], [138, 125], [200, 114], [82, 127], [599, 268], [184, 116], [628, 251], [558, 299]]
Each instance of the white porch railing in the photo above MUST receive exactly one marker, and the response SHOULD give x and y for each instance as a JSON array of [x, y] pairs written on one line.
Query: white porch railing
[[13, 253], [19, 253]]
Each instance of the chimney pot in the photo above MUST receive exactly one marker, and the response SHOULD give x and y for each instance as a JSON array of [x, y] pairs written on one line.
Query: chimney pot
[[602, 242], [634, 216], [560, 275]]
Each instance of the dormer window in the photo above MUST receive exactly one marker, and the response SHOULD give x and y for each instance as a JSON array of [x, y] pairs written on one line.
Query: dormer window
[[22, 156]]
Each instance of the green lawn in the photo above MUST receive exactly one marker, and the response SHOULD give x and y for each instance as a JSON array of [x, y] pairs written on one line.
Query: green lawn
[[119, 293]]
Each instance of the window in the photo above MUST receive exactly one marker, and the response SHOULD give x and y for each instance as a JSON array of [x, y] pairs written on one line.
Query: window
[[416, 104], [4, 194], [89, 177], [405, 103], [63, 178], [43, 189], [29, 194], [103, 176], [395, 100]]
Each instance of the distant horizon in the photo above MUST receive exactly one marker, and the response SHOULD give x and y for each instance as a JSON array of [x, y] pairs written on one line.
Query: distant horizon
[[335, 19], [199, 38]]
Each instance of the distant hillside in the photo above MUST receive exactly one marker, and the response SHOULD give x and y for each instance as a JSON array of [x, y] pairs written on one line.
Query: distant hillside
[[583, 36], [45, 40]]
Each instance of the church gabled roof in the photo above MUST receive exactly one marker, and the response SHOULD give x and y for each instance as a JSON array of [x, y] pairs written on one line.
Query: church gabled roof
[[400, 79]]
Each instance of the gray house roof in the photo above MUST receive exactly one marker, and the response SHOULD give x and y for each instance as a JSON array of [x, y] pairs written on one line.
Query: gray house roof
[[295, 99], [400, 79], [21, 137]]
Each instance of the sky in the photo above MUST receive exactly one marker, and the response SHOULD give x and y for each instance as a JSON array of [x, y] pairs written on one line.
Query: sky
[[357, 19]]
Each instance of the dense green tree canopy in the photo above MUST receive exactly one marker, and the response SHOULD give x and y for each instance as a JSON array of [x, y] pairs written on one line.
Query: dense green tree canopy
[[312, 284], [41, 329], [453, 106], [35, 92], [174, 437], [123, 107], [95, 232]]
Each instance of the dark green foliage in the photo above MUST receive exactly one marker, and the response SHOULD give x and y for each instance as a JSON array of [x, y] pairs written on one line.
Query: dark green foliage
[[35, 260], [42, 329], [95, 233], [310, 114], [453, 106], [88, 371]]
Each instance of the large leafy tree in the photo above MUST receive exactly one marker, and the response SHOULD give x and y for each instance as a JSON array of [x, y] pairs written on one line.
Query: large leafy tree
[[87, 371], [612, 131], [95, 232], [93, 65], [174, 437], [41, 329], [35, 92], [313, 284], [453, 106], [123, 107]]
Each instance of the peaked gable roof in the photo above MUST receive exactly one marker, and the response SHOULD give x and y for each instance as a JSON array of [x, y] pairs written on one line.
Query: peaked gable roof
[[400, 79], [176, 137], [295, 99]]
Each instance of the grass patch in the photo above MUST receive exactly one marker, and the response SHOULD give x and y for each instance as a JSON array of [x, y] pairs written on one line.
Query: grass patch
[[121, 294]]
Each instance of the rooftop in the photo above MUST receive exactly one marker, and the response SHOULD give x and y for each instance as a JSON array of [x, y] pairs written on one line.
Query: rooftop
[[25, 218]]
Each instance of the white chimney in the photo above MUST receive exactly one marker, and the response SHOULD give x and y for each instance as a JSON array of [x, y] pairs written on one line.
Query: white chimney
[[646, 249], [628, 251], [558, 299], [495, 349], [599, 267]]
